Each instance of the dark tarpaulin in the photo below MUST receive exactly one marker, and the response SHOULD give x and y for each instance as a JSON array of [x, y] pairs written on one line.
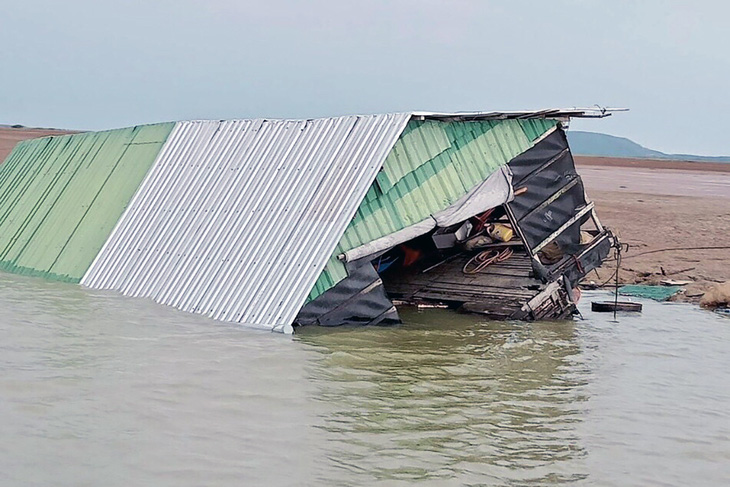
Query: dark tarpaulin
[[543, 183], [554, 193], [359, 299], [544, 222], [579, 265]]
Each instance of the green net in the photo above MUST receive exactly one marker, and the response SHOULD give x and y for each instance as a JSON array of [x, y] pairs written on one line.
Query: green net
[[657, 293]]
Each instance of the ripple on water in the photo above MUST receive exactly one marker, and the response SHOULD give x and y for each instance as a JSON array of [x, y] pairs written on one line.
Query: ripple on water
[[101, 389]]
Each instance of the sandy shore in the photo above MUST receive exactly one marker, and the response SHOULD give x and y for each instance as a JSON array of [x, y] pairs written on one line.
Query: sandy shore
[[616, 162], [10, 136], [657, 205]]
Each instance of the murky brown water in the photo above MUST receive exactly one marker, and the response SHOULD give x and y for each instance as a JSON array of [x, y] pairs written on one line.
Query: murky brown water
[[97, 389]]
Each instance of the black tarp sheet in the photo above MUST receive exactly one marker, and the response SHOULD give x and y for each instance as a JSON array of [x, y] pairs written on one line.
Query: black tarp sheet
[[547, 170], [359, 299]]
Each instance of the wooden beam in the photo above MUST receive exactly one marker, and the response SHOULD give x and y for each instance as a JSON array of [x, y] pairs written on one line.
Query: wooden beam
[[516, 227]]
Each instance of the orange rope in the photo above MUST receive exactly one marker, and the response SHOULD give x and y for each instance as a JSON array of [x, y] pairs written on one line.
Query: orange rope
[[483, 259]]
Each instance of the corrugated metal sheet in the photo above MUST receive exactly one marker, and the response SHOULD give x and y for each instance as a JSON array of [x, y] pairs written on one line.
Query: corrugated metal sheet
[[237, 219], [10, 136], [554, 113], [433, 164], [60, 197]]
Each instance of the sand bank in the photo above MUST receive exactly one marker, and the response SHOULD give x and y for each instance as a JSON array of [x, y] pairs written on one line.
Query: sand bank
[[10, 136], [680, 205]]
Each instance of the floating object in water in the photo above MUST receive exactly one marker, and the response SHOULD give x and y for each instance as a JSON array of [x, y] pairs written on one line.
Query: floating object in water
[[723, 311], [610, 306]]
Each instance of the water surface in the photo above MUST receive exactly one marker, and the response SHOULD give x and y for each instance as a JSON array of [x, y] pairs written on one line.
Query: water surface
[[99, 389]]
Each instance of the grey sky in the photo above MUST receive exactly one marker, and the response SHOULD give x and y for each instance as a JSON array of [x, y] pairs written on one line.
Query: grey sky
[[95, 64]]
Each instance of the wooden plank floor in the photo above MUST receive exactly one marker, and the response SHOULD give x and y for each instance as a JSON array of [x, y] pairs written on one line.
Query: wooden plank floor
[[498, 290]]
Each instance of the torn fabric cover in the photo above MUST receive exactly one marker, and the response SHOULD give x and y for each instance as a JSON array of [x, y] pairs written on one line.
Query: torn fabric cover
[[494, 191]]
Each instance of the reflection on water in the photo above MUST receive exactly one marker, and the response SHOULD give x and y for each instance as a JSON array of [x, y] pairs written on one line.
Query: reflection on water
[[98, 389], [444, 397]]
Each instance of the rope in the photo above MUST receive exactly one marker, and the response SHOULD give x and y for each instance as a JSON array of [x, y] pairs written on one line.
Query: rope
[[578, 264], [486, 258], [619, 257], [603, 284], [719, 247], [617, 246]]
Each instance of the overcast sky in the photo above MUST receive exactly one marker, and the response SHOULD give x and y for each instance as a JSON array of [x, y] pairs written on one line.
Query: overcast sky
[[95, 64]]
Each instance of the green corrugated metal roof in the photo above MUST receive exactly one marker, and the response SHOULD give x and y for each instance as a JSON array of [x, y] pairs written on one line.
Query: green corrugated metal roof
[[432, 165], [60, 197]]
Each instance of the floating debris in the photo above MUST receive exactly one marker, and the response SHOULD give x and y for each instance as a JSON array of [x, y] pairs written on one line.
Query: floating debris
[[611, 306]]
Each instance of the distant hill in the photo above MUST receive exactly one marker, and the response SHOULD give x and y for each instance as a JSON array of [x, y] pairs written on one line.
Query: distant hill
[[594, 144]]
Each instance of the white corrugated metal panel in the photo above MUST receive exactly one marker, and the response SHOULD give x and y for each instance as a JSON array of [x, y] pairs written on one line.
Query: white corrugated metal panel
[[236, 219]]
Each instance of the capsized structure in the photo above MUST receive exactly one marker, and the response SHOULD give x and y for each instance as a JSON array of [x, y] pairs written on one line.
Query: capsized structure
[[281, 223]]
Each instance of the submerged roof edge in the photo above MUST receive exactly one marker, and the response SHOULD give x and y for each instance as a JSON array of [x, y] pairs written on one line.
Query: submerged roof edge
[[355, 149]]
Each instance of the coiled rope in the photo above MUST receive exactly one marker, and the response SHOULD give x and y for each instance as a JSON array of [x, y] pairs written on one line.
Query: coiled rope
[[483, 259]]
